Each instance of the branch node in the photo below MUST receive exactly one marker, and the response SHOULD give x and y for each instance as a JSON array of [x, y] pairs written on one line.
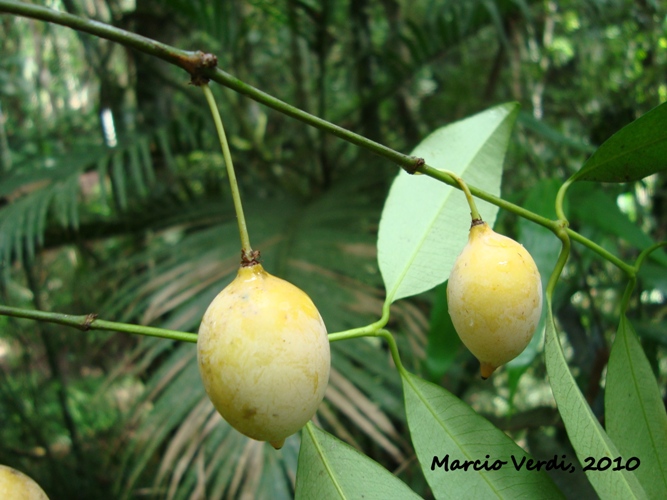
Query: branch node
[[85, 326], [414, 164], [197, 64]]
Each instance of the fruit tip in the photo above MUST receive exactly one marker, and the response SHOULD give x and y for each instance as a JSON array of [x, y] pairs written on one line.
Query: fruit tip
[[277, 444], [486, 370]]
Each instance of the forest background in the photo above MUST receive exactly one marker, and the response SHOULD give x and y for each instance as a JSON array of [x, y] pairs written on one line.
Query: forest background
[[113, 201]]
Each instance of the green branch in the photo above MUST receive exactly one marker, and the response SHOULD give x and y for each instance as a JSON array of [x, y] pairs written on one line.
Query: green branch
[[606, 254], [627, 294], [192, 62], [202, 67], [474, 213], [483, 195], [90, 322], [560, 263], [409, 163]]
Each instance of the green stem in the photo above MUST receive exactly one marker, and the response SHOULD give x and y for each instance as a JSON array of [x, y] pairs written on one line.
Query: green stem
[[628, 269], [226, 153], [409, 163], [627, 294], [189, 61], [393, 349], [560, 213], [372, 331], [562, 232], [89, 322], [483, 195], [560, 263], [354, 333], [51, 351], [364, 331], [648, 251], [474, 213], [198, 63], [560, 197]]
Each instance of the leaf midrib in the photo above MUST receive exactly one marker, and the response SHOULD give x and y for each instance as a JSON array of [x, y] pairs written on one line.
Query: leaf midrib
[[600, 164], [320, 452], [425, 402], [446, 197], [578, 396], [635, 382]]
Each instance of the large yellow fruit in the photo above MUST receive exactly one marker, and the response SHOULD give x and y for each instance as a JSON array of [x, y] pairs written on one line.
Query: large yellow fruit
[[494, 296], [15, 485], [263, 355]]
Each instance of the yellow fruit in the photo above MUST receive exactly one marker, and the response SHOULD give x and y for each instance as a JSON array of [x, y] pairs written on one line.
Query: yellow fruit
[[263, 355], [15, 485], [494, 296]]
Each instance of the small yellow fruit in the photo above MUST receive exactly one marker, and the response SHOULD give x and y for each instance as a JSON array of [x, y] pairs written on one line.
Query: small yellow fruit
[[494, 296], [15, 485], [263, 355]]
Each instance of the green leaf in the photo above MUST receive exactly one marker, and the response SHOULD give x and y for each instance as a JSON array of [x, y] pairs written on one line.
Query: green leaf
[[330, 468], [425, 223], [442, 425], [634, 152], [552, 134], [635, 414], [587, 436]]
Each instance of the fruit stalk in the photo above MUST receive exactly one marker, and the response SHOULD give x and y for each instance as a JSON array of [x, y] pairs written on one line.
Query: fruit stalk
[[474, 213], [248, 256]]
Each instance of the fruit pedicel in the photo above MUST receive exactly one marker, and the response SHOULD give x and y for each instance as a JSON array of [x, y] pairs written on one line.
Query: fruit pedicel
[[262, 350]]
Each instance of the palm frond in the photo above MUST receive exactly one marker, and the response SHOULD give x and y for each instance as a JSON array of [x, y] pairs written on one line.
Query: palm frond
[[302, 243], [46, 193]]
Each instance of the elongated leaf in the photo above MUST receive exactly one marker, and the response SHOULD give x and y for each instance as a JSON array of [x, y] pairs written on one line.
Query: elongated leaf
[[635, 414], [634, 152], [552, 134], [444, 427], [330, 468], [587, 436], [425, 223]]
